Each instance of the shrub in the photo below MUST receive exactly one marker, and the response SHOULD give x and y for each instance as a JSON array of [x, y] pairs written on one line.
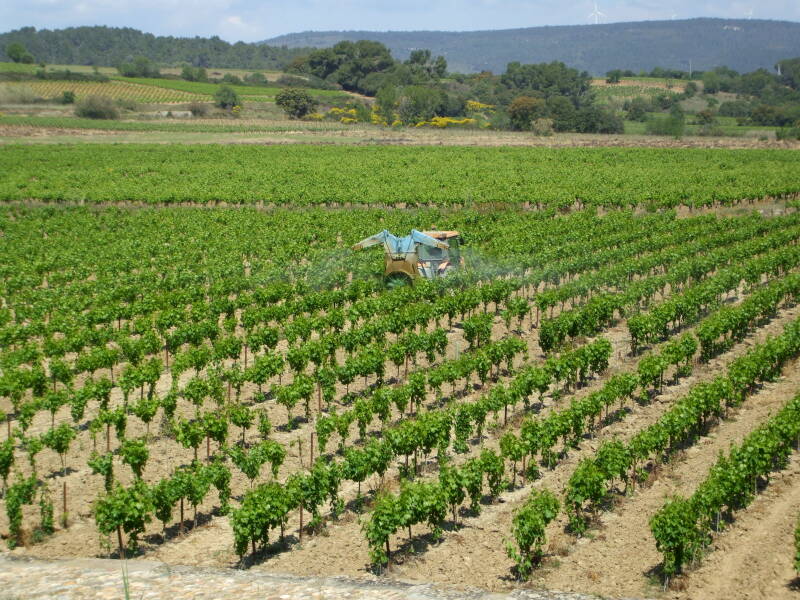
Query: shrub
[[126, 104], [673, 125], [296, 102], [226, 97], [17, 52], [198, 109], [232, 79], [67, 75], [542, 127], [18, 94], [594, 119], [788, 133], [256, 78], [711, 130], [97, 107], [706, 117], [68, 97], [190, 73], [140, 67], [292, 81], [637, 109], [306, 81], [523, 110]]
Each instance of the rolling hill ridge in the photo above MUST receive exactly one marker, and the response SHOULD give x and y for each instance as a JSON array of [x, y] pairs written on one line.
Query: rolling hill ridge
[[743, 45]]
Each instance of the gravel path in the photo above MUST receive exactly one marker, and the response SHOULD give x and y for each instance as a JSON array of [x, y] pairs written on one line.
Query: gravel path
[[22, 577]]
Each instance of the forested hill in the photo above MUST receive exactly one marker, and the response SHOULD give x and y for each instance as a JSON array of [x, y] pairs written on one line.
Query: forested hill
[[110, 46], [743, 45]]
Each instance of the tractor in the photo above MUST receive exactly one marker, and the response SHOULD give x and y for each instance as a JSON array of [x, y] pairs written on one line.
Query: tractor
[[422, 254]]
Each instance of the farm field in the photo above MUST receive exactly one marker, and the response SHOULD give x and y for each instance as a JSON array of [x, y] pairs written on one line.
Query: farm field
[[54, 130], [178, 126], [233, 387], [398, 176], [124, 90], [251, 93]]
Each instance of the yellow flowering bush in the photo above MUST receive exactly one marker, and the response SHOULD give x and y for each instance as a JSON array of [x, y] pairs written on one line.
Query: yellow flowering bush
[[315, 116], [442, 122], [348, 120], [475, 106], [342, 111]]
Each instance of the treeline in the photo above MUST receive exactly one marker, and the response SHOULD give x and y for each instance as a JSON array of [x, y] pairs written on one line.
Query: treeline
[[762, 97], [112, 46], [550, 97]]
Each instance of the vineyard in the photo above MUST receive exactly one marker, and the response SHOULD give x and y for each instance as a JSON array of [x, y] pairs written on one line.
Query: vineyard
[[398, 176], [234, 387], [122, 90], [248, 93], [195, 126]]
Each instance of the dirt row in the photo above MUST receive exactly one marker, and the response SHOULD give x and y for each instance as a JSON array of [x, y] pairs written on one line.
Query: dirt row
[[475, 553], [340, 549]]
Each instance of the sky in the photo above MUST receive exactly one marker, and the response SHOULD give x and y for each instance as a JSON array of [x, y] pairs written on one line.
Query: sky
[[254, 20]]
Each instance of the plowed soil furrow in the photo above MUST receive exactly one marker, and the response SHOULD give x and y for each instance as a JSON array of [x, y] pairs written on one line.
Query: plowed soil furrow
[[342, 548], [622, 557], [485, 535], [753, 558]]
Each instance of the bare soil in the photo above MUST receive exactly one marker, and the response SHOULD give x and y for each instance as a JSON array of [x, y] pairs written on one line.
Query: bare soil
[[360, 135], [617, 558]]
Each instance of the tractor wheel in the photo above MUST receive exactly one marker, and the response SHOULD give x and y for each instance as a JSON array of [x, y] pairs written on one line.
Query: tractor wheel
[[397, 280]]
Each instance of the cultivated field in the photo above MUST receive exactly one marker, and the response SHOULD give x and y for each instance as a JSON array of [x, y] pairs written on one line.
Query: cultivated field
[[231, 386], [124, 90], [396, 176]]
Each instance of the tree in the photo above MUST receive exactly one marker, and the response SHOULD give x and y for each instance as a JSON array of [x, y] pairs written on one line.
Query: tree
[[140, 67], [637, 109], [349, 63], [419, 103], [296, 102], [614, 76], [549, 79], [706, 117], [711, 82], [789, 72], [523, 110], [190, 73], [386, 103], [226, 97], [19, 54]]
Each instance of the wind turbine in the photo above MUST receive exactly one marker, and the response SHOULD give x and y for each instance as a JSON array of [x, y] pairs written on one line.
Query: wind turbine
[[749, 14], [596, 14], [674, 14]]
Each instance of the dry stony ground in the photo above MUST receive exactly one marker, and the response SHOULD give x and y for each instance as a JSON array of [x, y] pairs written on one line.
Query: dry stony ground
[[370, 136], [616, 559]]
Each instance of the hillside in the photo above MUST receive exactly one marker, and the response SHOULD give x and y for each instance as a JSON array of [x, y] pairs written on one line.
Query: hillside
[[110, 46], [743, 45]]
